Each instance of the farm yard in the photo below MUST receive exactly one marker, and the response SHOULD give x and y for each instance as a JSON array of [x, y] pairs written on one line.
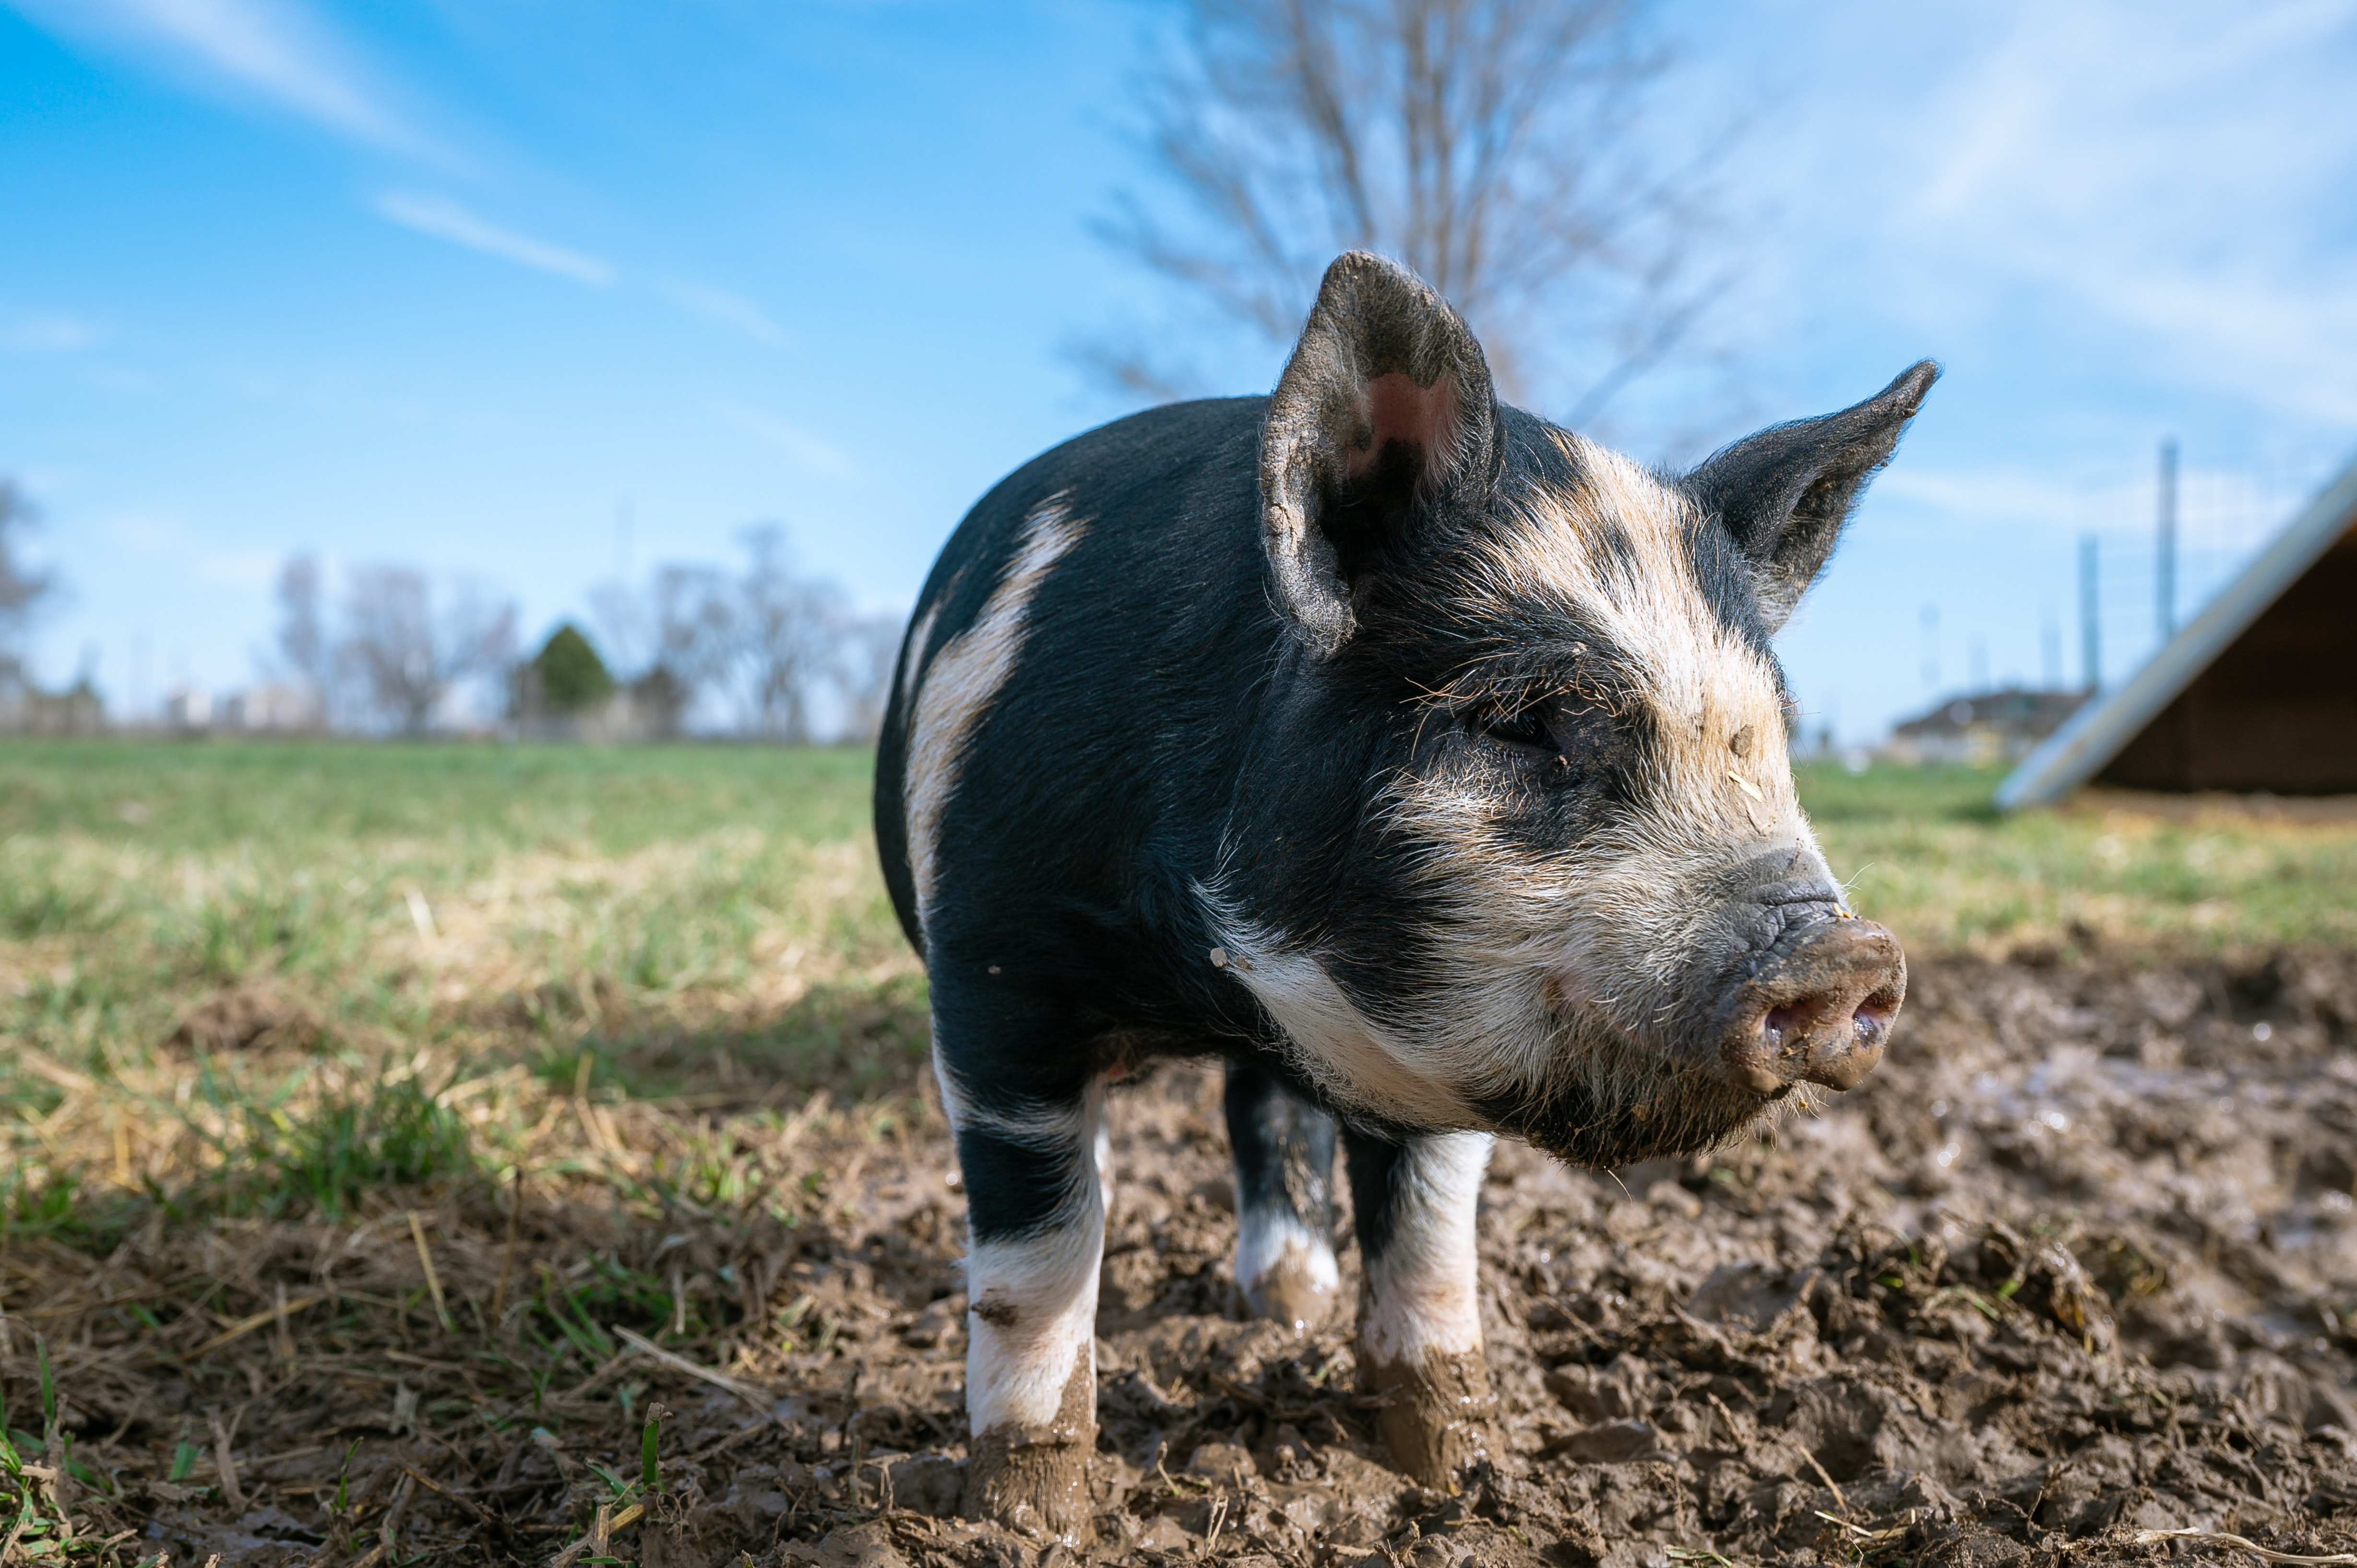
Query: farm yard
[[470, 1155]]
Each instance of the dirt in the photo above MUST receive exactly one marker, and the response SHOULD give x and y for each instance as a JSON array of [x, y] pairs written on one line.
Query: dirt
[[2078, 1265]]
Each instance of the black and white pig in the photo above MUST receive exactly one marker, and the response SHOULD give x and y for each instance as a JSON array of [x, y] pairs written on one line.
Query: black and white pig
[[1419, 757]]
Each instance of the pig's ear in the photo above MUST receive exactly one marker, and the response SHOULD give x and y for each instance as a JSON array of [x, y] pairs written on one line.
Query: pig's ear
[[1785, 493], [1385, 404]]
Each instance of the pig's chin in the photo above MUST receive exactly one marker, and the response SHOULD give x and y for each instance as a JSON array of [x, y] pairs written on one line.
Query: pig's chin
[[1611, 1103]]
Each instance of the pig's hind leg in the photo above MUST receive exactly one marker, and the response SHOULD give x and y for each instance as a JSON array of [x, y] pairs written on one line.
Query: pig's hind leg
[[1420, 1319], [1284, 1149], [1037, 1172]]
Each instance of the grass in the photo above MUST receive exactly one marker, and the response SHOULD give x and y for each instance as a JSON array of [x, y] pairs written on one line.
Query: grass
[[1922, 851], [320, 1053], [269, 969]]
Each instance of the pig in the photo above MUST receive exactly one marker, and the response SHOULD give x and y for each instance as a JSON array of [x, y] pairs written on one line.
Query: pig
[[1421, 759]]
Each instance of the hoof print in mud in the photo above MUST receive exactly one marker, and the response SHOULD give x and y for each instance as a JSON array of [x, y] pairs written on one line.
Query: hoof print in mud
[[1436, 1416]]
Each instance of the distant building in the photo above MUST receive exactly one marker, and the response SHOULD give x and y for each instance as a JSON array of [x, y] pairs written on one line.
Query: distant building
[[187, 708], [1981, 731], [26, 709], [2257, 693], [273, 707]]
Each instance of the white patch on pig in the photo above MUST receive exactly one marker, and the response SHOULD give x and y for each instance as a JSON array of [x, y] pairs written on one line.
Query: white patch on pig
[[1359, 1064], [966, 677], [1423, 1289], [1031, 1305]]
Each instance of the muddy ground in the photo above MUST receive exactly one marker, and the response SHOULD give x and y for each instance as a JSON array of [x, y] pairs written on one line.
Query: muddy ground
[[2078, 1265]]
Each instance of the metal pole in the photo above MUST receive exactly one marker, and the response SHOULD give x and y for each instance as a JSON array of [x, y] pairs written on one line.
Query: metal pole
[[2091, 616], [2165, 565]]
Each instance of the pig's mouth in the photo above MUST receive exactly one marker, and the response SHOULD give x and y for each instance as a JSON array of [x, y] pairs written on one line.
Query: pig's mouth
[[1613, 1102], [1816, 1007]]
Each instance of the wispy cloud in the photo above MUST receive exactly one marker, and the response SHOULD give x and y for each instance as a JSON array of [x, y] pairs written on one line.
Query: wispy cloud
[[814, 452], [732, 311], [446, 220], [2176, 173], [48, 332], [275, 50], [156, 535]]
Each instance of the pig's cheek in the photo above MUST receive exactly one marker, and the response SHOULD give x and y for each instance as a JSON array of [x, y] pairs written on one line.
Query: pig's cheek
[[1564, 993]]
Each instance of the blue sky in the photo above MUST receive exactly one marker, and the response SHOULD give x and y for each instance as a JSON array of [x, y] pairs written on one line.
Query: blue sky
[[469, 284]]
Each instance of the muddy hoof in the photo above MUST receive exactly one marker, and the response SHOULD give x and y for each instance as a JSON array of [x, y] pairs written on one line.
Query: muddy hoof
[[1436, 1415], [1034, 1480], [1290, 1293]]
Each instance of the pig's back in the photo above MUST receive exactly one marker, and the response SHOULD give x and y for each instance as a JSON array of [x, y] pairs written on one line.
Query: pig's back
[[1076, 691]]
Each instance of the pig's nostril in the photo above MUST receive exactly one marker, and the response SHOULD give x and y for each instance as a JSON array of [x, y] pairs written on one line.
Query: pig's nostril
[[1826, 1014]]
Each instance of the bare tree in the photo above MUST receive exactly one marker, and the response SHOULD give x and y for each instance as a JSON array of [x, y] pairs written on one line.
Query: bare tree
[[23, 589], [1505, 149], [866, 649], [404, 657], [694, 620], [302, 629], [786, 636], [787, 650]]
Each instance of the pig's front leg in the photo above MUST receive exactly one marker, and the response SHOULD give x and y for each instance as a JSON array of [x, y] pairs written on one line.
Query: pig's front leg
[[1420, 1319], [1036, 1170], [1284, 1149]]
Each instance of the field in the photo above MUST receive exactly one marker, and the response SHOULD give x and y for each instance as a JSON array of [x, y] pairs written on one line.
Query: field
[[506, 1154]]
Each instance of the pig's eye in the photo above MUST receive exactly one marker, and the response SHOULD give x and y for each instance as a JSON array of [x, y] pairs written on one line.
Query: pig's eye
[[1523, 727]]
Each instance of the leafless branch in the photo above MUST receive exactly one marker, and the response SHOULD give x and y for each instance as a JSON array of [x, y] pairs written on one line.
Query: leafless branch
[[23, 589], [405, 656], [1505, 149]]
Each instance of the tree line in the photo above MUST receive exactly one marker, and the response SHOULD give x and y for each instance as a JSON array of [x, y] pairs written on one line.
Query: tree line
[[761, 649]]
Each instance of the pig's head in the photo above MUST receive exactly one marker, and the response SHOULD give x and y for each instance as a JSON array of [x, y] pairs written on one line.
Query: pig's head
[[1548, 874]]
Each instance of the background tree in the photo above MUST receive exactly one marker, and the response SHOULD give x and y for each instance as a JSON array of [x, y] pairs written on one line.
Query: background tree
[[567, 676], [23, 589], [866, 649], [1510, 151], [303, 647], [787, 627], [405, 656]]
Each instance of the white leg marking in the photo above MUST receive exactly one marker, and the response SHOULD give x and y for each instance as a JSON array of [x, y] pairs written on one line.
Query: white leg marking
[[1264, 1239], [1424, 1291], [964, 679], [1032, 1305]]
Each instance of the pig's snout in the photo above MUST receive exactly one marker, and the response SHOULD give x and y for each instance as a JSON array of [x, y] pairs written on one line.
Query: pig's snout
[[1817, 1009]]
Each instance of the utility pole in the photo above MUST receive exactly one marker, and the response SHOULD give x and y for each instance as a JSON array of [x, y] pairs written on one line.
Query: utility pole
[[2091, 616], [2165, 562]]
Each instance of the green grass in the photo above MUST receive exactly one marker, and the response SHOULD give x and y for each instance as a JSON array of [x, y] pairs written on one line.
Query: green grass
[[1923, 852], [279, 959]]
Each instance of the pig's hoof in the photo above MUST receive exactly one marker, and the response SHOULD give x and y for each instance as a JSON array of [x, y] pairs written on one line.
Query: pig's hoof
[[1034, 1480], [1290, 1291], [1436, 1415]]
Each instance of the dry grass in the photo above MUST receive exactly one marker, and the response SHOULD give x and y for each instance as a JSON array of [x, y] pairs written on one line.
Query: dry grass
[[1925, 854], [289, 1022]]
